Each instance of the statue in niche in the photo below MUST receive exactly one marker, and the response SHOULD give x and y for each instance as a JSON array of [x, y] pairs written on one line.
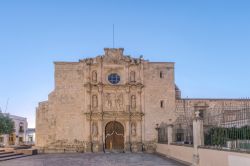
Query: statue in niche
[[94, 129], [108, 102], [133, 129], [132, 76], [119, 101], [94, 101], [94, 76], [133, 101]]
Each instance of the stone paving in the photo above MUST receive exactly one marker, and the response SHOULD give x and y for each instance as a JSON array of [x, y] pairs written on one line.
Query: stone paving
[[112, 159]]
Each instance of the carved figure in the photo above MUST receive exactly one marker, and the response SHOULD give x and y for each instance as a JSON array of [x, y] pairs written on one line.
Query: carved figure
[[132, 76], [94, 101], [133, 101], [133, 129], [94, 129], [94, 76], [119, 101], [108, 102]]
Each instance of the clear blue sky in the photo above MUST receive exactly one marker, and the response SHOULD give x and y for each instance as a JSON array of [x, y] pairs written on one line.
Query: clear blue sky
[[209, 41]]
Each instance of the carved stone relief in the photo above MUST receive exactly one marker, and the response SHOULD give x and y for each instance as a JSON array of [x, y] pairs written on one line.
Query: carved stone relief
[[114, 102], [119, 102]]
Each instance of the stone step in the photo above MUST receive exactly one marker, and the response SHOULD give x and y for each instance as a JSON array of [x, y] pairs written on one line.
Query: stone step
[[9, 154], [3, 153], [114, 151], [13, 157]]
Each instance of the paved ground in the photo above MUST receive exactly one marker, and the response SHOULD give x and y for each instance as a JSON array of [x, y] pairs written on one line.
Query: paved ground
[[112, 159]]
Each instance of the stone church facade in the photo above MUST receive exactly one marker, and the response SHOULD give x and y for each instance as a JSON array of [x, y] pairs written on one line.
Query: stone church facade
[[109, 102], [117, 102]]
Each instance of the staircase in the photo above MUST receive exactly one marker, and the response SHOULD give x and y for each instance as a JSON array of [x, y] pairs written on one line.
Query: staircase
[[9, 155]]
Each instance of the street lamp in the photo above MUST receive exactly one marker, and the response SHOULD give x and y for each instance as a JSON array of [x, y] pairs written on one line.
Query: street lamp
[[157, 129]]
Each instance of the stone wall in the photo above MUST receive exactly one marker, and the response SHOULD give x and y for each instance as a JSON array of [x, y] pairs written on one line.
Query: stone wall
[[158, 90], [207, 157], [180, 153]]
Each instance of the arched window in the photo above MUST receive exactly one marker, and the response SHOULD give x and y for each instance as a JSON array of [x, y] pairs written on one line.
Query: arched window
[[94, 101], [94, 76], [133, 101], [132, 76], [161, 74]]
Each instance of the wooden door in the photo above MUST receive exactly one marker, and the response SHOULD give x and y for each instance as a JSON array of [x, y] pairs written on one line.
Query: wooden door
[[114, 136]]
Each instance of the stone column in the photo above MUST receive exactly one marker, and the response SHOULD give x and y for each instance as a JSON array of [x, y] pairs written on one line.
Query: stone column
[[198, 136], [126, 135], [139, 127], [97, 144], [170, 134]]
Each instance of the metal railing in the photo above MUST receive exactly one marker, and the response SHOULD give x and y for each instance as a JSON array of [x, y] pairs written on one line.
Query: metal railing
[[230, 129]]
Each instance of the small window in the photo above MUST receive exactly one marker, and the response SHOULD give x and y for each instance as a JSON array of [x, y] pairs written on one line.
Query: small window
[[162, 104], [21, 127], [161, 74]]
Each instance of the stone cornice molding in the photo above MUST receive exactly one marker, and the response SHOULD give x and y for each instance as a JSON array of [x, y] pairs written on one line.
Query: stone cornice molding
[[114, 114]]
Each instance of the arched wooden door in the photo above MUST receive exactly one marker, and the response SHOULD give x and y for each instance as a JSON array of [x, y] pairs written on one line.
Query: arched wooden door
[[114, 136]]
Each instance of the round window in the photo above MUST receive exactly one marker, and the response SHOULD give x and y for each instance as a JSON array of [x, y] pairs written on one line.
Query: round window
[[114, 78]]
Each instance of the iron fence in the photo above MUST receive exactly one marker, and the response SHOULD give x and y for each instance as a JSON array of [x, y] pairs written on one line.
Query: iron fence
[[183, 126], [230, 129], [163, 133]]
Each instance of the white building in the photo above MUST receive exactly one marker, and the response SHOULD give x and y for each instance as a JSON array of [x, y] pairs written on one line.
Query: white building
[[30, 136], [18, 136]]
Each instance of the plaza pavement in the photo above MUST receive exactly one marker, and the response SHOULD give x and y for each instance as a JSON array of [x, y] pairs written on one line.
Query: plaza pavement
[[99, 159]]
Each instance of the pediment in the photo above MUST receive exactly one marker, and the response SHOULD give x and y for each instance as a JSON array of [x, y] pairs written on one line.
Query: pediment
[[113, 56]]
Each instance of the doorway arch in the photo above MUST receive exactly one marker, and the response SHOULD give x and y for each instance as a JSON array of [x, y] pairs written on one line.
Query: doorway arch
[[114, 136]]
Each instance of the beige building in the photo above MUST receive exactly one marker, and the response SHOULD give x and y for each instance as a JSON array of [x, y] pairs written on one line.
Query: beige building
[[117, 102], [18, 136], [110, 102]]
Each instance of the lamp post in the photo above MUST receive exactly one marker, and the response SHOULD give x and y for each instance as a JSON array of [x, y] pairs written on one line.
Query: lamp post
[[157, 128]]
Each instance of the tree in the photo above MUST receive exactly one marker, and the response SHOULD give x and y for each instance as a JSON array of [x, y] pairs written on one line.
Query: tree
[[6, 124]]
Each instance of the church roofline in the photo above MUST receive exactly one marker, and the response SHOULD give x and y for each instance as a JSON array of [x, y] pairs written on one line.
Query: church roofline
[[229, 99], [61, 63], [163, 62]]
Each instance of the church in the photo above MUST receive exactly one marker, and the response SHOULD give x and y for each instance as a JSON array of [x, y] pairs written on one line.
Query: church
[[113, 102], [109, 102]]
